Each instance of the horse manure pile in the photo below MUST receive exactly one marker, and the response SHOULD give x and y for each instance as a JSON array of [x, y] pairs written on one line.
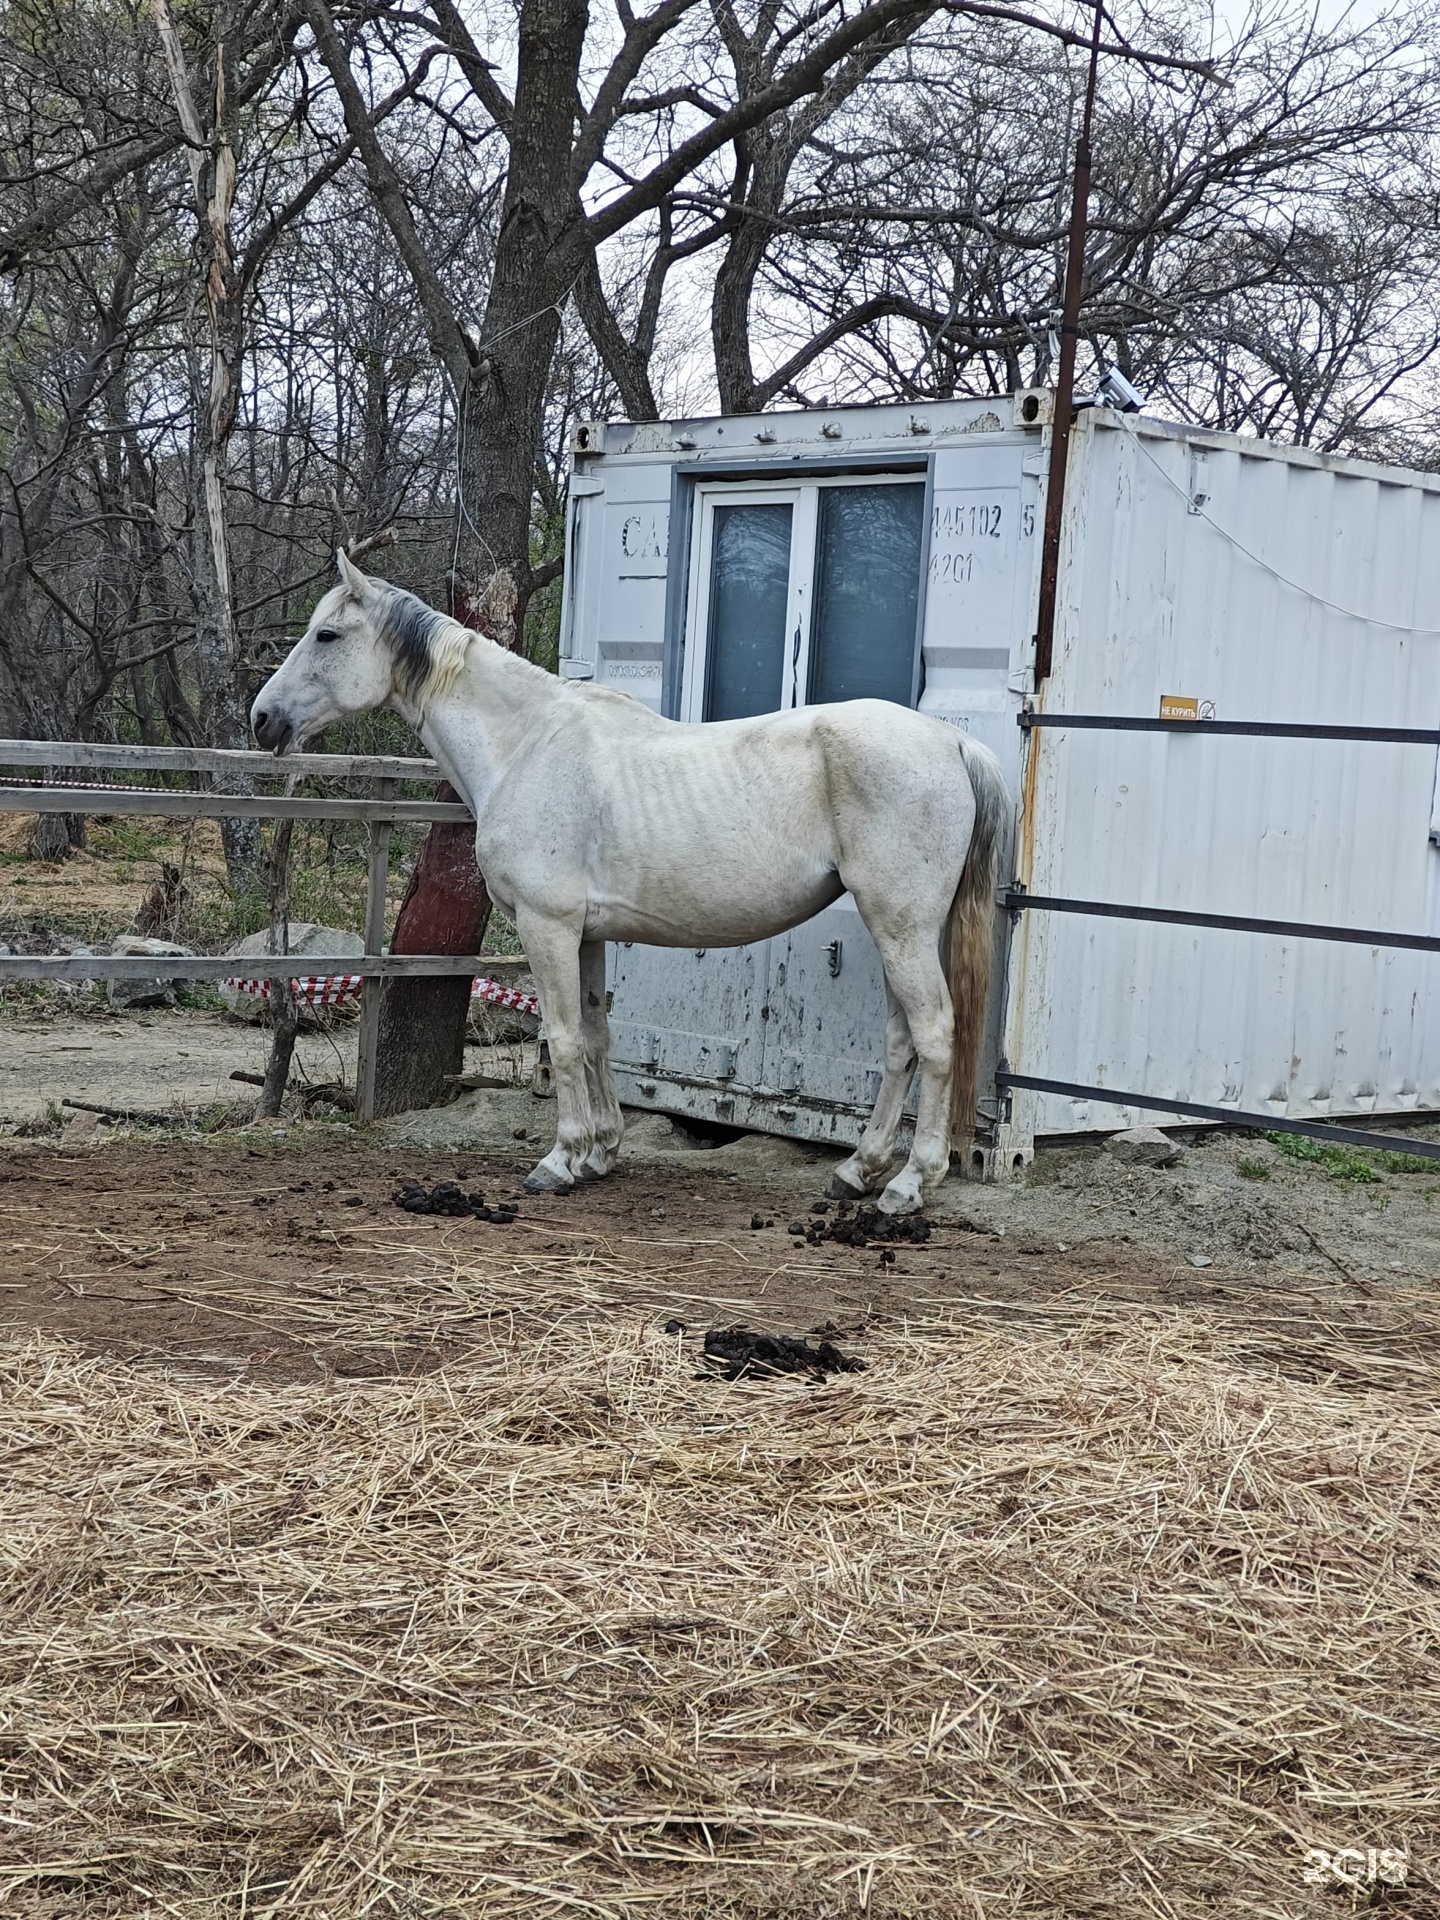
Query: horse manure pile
[[446, 1197], [742, 1355], [1073, 1608], [860, 1226]]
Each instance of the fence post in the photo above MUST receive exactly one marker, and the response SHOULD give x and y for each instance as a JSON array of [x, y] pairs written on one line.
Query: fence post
[[372, 987]]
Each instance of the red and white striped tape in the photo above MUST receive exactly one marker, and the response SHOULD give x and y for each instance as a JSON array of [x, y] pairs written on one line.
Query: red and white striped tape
[[325, 990], [495, 994], [343, 989]]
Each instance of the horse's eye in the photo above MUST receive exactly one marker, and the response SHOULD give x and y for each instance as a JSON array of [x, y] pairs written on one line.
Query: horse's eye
[[327, 634]]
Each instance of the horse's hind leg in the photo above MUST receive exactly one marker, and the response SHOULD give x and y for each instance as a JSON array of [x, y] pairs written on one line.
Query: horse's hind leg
[[552, 947], [915, 976], [605, 1117], [869, 1166]]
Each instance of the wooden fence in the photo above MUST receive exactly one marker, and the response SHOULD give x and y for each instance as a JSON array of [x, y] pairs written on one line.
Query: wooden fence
[[381, 812]]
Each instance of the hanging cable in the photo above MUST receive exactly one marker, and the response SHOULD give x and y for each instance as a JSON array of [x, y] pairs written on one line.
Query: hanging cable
[[1295, 586]]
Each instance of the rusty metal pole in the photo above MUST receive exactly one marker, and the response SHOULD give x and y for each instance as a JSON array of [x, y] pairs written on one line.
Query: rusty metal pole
[[1065, 373]]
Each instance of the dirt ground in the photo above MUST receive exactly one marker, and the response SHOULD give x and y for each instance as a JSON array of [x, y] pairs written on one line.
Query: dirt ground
[[129, 1240], [245, 1250], [301, 1448], [153, 1060]]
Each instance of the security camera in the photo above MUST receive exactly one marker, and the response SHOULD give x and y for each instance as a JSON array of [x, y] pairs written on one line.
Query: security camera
[[1119, 392]]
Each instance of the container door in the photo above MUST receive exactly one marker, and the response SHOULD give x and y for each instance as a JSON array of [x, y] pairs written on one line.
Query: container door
[[826, 1028], [748, 603], [982, 578], [619, 543]]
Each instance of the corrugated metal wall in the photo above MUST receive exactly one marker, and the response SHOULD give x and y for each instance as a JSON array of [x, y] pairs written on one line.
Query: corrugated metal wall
[[1157, 598]]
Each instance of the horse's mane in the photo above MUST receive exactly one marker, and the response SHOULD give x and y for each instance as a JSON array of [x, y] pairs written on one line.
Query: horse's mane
[[430, 648], [430, 651]]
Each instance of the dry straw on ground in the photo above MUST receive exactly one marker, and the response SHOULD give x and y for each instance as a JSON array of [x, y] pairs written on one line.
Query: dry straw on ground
[[1041, 1615]]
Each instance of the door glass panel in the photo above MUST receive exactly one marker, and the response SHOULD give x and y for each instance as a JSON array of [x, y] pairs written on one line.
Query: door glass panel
[[867, 593], [749, 587]]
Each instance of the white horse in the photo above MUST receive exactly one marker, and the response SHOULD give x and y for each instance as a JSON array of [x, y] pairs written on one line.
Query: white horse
[[597, 820]]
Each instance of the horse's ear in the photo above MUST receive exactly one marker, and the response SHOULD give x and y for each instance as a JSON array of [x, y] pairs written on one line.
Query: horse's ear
[[358, 583]]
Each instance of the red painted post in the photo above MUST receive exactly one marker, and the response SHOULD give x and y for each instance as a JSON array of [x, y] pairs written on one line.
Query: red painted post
[[445, 910], [422, 1022]]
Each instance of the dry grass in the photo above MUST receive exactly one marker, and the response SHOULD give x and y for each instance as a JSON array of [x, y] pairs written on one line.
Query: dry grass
[[1050, 1614]]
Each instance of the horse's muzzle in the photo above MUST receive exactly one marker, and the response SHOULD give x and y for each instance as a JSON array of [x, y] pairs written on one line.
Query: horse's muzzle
[[272, 730]]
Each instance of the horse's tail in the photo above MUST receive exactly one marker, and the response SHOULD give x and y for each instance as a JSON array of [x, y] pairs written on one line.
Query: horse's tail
[[970, 943]]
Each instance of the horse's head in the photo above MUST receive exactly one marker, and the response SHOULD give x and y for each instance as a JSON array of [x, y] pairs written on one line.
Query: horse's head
[[368, 645]]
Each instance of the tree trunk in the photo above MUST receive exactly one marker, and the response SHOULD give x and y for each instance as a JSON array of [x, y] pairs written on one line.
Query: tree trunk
[[57, 835], [539, 255], [422, 1022], [501, 382], [212, 160]]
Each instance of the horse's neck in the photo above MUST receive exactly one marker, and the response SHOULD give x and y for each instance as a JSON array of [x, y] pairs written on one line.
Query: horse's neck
[[494, 709]]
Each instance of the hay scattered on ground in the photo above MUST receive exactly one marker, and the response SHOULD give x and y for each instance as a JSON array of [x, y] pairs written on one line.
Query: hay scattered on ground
[[1090, 1615]]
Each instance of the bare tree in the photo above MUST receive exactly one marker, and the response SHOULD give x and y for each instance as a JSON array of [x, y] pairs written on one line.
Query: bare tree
[[585, 164], [920, 241]]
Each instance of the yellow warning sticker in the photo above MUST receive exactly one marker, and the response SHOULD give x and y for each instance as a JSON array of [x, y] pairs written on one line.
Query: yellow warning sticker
[[1178, 706]]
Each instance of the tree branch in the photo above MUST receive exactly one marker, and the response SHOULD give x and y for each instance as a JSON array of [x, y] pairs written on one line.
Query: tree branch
[[479, 71], [1117, 50], [448, 340]]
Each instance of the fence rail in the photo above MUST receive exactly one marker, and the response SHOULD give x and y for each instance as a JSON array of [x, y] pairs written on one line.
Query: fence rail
[[379, 813], [250, 966], [222, 760], [165, 801]]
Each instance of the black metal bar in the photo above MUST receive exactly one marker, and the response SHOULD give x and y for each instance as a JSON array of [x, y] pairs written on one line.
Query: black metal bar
[[1228, 1116], [1017, 900], [1263, 729]]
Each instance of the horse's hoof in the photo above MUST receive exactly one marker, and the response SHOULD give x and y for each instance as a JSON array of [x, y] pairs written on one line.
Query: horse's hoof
[[543, 1179], [839, 1189], [898, 1199]]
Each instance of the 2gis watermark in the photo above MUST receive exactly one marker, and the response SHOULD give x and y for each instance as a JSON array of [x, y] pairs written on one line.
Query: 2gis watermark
[[1356, 1867]]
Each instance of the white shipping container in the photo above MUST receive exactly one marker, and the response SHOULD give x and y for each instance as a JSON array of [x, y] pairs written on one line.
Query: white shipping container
[[739, 564]]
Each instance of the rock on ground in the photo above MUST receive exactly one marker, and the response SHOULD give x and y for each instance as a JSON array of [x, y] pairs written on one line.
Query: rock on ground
[[1143, 1147], [164, 989]]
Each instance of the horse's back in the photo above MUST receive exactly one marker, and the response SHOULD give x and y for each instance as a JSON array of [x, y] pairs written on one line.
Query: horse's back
[[818, 768]]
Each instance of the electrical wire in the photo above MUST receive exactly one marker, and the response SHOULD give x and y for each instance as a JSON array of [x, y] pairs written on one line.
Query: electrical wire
[[1331, 606]]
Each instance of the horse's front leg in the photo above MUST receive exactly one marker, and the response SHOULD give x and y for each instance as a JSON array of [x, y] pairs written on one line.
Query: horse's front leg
[[553, 949], [606, 1120]]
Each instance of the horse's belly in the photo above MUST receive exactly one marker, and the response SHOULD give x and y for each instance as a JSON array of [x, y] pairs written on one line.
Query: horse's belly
[[694, 915]]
